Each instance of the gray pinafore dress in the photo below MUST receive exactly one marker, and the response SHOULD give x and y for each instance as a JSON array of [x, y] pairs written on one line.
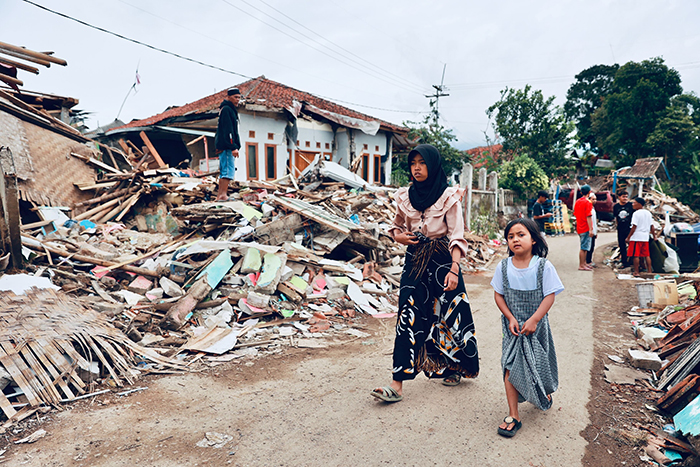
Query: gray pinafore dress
[[531, 359]]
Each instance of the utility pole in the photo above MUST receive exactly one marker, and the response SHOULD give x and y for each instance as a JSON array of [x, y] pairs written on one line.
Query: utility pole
[[435, 98]]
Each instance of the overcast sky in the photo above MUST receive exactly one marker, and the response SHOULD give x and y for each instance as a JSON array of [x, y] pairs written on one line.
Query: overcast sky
[[378, 57]]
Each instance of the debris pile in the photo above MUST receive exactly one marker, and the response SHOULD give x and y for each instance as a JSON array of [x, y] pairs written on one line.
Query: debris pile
[[667, 361], [189, 279]]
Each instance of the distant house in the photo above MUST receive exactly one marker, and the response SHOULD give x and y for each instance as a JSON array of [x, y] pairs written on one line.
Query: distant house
[[281, 128], [483, 154]]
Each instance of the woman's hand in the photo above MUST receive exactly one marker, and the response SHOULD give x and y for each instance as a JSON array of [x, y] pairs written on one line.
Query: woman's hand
[[514, 327], [451, 280], [406, 238], [529, 327]]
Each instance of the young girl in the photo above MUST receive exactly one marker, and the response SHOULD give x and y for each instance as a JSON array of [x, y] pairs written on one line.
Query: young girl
[[525, 285], [434, 329]]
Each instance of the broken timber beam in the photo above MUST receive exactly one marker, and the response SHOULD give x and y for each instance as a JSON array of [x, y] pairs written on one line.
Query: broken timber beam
[[152, 149], [85, 259]]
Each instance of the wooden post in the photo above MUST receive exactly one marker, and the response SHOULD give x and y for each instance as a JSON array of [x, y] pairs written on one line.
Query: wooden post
[[11, 221], [206, 152], [466, 180], [152, 149]]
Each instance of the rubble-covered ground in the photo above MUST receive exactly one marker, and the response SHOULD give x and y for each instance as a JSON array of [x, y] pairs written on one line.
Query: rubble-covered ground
[[299, 406]]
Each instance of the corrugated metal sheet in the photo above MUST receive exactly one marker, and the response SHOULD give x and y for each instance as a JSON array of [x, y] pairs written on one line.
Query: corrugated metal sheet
[[642, 168]]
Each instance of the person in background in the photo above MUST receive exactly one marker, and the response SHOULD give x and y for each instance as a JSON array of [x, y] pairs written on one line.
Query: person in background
[[638, 238], [622, 211], [227, 141], [594, 229], [538, 211], [583, 211]]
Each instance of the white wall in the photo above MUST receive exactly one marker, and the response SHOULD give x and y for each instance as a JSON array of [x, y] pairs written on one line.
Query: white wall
[[262, 126], [313, 136]]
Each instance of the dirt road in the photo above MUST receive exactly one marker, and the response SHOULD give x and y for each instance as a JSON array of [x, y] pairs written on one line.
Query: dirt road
[[313, 408]]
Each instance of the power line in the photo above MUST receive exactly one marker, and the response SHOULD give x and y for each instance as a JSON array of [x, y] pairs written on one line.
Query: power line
[[261, 57], [373, 74], [339, 46], [136, 41], [182, 57]]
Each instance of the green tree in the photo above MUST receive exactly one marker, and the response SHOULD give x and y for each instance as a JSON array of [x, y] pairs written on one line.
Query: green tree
[[524, 176], [677, 139], [527, 123], [630, 113], [585, 96]]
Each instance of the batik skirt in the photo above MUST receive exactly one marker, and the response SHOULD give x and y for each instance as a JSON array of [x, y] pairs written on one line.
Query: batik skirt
[[434, 329]]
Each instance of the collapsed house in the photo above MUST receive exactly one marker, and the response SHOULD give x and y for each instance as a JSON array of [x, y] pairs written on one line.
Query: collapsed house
[[281, 128]]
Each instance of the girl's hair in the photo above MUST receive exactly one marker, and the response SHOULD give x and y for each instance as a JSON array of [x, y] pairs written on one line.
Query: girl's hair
[[540, 247]]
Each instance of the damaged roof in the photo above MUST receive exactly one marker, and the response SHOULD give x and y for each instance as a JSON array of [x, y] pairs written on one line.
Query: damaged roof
[[642, 168], [260, 92]]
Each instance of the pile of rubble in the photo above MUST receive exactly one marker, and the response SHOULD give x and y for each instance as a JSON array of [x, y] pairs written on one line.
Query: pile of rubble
[[187, 278], [667, 327]]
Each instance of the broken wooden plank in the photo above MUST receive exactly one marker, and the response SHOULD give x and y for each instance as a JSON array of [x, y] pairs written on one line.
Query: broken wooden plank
[[152, 149], [6, 406], [18, 376], [317, 214], [58, 378], [88, 259], [97, 163]]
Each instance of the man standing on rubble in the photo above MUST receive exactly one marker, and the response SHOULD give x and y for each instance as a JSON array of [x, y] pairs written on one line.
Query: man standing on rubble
[[227, 141]]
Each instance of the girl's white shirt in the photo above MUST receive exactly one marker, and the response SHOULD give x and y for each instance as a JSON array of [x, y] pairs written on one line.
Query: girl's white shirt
[[526, 279]]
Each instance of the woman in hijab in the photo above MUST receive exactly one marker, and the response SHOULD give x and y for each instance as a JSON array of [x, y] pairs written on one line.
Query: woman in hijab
[[434, 329]]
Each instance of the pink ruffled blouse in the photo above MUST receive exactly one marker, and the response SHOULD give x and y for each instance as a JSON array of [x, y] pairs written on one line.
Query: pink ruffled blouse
[[443, 218]]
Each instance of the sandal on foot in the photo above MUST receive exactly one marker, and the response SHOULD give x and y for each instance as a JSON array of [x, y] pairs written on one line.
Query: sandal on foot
[[453, 380], [387, 394], [517, 424]]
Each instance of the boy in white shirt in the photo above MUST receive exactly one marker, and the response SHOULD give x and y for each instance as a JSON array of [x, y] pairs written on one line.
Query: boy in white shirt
[[638, 238]]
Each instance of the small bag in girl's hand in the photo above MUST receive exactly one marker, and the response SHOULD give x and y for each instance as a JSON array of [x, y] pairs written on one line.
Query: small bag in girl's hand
[[421, 238]]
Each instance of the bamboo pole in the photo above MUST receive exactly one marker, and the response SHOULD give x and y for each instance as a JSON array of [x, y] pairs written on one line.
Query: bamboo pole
[[85, 259], [105, 197], [31, 53], [89, 213], [19, 65]]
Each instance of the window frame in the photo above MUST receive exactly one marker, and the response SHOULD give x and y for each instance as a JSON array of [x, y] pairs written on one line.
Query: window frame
[[274, 162], [377, 168], [247, 161], [365, 167]]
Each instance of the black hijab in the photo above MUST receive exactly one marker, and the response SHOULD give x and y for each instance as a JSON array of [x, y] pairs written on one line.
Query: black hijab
[[424, 194]]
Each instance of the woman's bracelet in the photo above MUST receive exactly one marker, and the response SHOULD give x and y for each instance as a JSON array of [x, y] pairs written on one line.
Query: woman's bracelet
[[451, 272]]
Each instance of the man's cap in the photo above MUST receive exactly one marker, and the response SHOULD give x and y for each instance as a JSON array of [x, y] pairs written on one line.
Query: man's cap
[[585, 189], [233, 92], [640, 200]]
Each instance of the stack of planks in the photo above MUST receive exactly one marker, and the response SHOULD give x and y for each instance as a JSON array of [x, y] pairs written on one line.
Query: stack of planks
[[47, 337]]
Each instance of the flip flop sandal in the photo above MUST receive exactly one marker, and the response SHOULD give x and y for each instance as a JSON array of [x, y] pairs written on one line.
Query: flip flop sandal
[[387, 394], [517, 424], [453, 380]]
